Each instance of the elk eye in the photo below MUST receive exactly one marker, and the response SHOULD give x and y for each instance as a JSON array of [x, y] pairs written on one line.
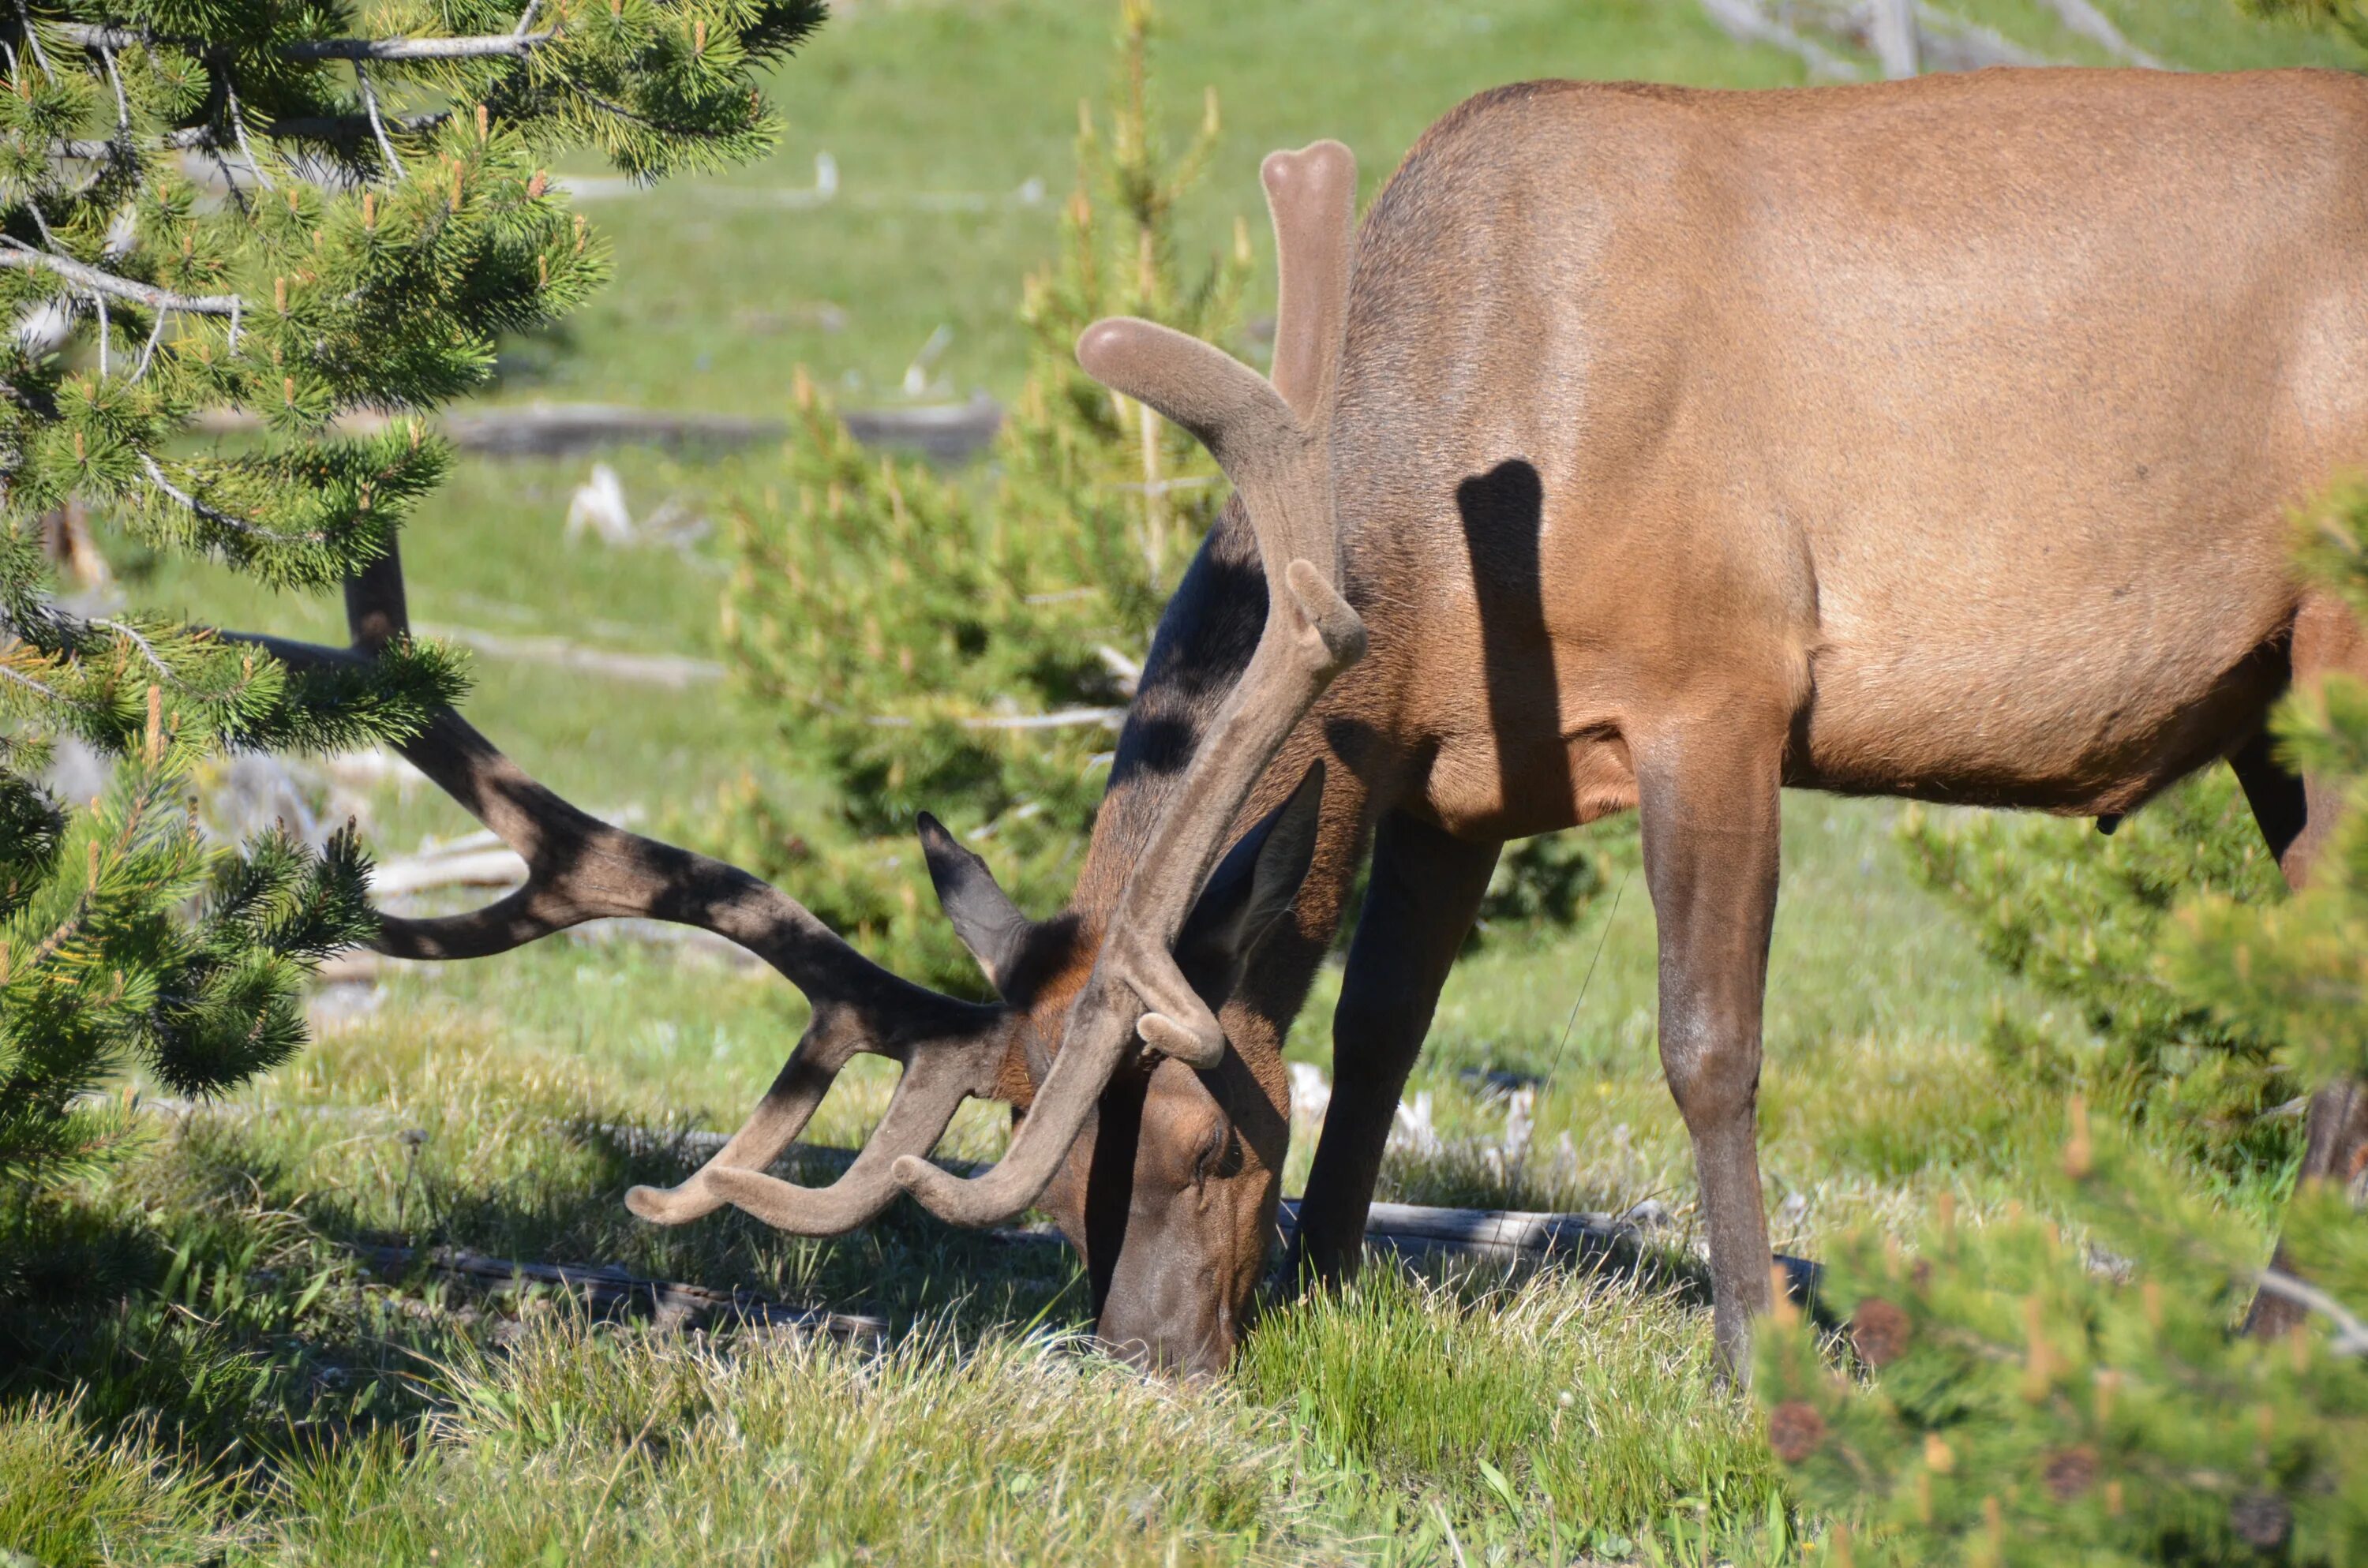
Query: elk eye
[[1211, 1149]]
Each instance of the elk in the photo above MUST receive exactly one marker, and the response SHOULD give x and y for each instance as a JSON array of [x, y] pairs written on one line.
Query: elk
[[1644, 448]]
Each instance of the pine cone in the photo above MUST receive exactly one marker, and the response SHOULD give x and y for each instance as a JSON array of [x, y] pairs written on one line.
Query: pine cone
[[1795, 1430], [1879, 1332], [2260, 1519], [2071, 1473]]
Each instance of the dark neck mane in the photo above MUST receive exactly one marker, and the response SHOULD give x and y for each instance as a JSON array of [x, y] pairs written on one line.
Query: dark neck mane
[[1205, 643]]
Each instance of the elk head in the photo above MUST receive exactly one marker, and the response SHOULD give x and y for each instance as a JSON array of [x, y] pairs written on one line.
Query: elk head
[[1123, 1007]]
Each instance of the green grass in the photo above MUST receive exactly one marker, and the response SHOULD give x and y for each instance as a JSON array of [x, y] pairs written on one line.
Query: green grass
[[260, 1399]]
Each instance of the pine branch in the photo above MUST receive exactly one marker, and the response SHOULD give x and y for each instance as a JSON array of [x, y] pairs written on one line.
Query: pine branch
[[384, 293], [218, 517], [347, 127], [288, 128]]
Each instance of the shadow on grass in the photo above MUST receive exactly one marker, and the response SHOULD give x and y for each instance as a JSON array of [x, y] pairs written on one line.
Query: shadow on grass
[[210, 1285]]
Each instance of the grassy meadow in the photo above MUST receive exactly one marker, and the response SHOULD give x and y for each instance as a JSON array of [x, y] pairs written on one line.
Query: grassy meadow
[[260, 1397]]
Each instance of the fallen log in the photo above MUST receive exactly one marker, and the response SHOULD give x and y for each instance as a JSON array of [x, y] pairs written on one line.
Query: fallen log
[[1412, 1231], [556, 429], [545, 430], [944, 432], [611, 1290], [469, 869]]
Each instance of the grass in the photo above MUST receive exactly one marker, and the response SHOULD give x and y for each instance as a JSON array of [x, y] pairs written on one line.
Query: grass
[[255, 1396]]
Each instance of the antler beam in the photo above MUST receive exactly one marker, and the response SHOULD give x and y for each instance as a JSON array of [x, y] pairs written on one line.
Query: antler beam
[[1273, 439]]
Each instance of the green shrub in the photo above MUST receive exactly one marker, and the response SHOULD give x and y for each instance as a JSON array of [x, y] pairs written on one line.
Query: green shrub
[[2043, 1395], [2082, 916], [964, 644]]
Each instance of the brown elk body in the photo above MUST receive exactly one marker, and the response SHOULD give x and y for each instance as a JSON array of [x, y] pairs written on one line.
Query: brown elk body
[[1936, 439]]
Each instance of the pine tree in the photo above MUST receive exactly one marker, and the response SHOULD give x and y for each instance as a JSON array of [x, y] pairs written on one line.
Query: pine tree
[[293, 211], [968, 648]]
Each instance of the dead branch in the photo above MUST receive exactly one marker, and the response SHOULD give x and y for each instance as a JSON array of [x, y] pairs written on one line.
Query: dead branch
[[484, 47], [653, 669], [93, 281], [1744, 21], [2352, 1334], [2081, 17], [611, 1290]]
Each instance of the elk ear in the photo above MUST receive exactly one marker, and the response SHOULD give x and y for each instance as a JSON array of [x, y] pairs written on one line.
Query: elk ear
[[1257, 881], [985, 919]]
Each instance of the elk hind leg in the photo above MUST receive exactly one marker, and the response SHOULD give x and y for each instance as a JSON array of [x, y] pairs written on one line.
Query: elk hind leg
[[2297, 817]]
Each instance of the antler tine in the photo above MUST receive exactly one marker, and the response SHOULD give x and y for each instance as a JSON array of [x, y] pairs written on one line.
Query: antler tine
[[580, 869], [1312, 197], [1274, 441], [917, 1116]]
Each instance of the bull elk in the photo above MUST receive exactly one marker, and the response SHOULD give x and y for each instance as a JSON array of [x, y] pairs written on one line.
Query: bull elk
[[1646, 447]]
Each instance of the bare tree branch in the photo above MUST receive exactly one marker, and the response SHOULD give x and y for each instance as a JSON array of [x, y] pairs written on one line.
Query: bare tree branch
[[215, 515], [96, 282], [489, 46], [2351, 1335], [33, 40], [377, 126], [485, 47], [349, 126]]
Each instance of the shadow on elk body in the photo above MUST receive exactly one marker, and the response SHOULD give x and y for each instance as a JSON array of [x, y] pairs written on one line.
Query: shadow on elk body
[[1934, 439]]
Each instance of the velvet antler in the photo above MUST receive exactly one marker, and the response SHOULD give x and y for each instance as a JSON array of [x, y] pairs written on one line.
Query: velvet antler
[[1272, 438]]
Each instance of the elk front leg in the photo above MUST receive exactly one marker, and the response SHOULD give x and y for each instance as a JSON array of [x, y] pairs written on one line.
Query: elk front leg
[[1709, 804], [1425, 890]]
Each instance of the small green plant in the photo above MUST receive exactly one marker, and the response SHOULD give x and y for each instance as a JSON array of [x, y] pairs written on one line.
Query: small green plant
[[2046, 1394], [967, 647], [2081, 915]]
